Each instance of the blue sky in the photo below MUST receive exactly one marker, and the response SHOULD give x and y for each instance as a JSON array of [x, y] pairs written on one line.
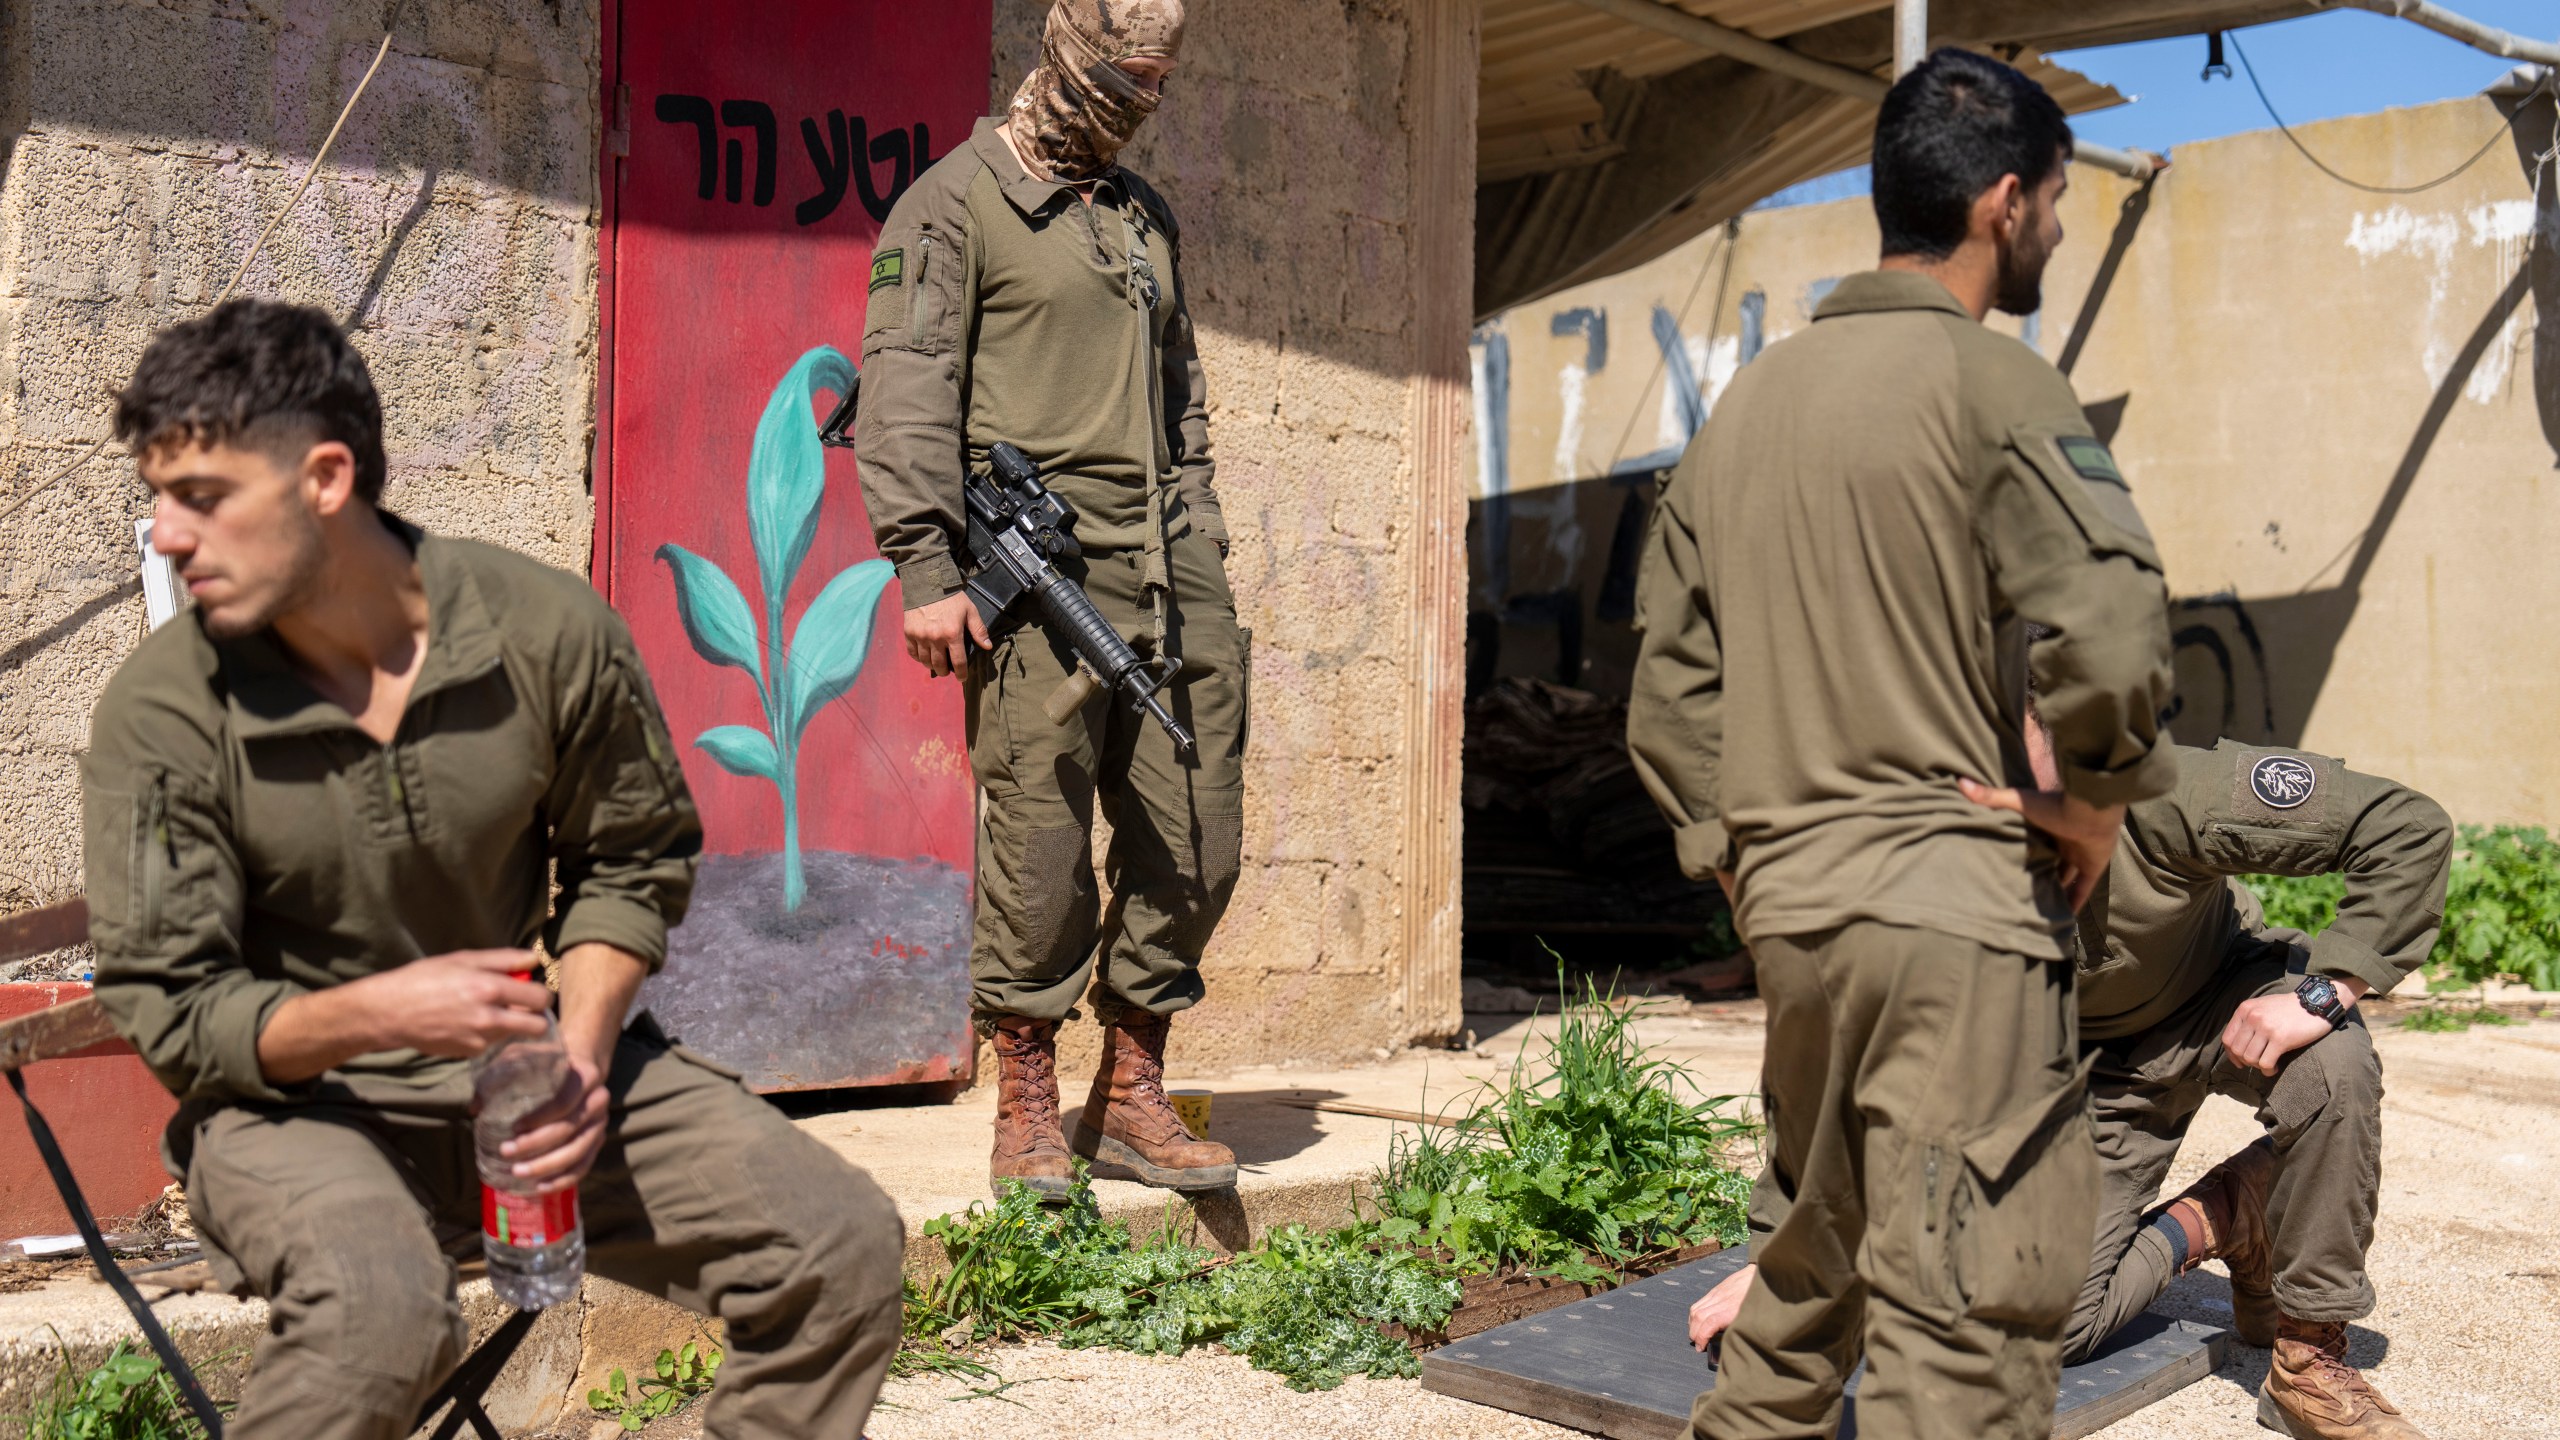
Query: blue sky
[[2338, 62]]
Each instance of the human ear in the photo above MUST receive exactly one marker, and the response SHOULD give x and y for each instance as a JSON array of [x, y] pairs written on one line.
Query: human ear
[[329, 476]]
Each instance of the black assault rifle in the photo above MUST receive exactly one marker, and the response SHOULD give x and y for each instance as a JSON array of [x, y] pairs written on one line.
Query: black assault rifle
[[1016, 528]]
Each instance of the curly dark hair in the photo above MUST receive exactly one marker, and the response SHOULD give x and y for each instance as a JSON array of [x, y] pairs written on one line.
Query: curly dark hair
[[259, 374]]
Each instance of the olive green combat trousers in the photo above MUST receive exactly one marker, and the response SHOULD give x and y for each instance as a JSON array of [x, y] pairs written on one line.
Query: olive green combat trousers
[[2323, 1106], [347, 1219], [1177, 823], [1928, 1197]]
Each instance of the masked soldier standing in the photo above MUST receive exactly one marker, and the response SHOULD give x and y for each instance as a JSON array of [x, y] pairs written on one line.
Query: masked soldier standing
[[1833, 649], [1027, 289]]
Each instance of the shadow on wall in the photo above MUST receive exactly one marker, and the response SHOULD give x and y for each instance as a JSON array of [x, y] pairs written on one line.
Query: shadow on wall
[[2254, 668]]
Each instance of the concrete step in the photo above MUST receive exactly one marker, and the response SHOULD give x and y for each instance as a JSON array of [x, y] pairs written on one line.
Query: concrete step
[[1298, 1165]]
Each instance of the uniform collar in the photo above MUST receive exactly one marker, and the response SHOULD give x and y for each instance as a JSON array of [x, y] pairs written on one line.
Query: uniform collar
[[269, 697], [1872, 290], [1028, 192]]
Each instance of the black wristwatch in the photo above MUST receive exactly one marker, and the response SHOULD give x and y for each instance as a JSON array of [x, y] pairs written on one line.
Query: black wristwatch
[[2321, 998]]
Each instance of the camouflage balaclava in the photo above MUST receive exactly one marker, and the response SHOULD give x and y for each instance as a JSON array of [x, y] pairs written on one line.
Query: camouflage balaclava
[[1078, 107]]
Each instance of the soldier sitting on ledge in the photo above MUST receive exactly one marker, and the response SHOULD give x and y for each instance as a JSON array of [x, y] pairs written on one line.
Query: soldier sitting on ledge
[[325, 814]]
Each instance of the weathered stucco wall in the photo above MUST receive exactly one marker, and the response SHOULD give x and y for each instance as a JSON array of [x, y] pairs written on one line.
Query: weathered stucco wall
[[453, 227], [1319, 157], [2326, 401]]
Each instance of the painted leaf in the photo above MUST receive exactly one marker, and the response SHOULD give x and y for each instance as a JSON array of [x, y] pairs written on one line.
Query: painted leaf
[[716, 617], [741, 750], [832, 640], [787, 470]]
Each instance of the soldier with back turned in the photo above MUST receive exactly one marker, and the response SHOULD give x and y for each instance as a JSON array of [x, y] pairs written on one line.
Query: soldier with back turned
[[1832, 675]]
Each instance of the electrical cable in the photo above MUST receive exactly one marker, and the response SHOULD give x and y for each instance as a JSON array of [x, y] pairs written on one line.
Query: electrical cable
[[2476, 156], [389, 26]]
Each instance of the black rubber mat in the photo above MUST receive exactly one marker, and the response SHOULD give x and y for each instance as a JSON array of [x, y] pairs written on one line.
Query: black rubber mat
[[1620, 1363]]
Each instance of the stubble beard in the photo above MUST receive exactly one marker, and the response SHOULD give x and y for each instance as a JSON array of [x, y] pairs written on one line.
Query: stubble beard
[[2021, 289], [306, 560]]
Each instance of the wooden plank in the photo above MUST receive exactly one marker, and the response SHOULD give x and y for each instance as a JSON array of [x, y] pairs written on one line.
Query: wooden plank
[[58, 926], [59, 1033], [1619, 1363]]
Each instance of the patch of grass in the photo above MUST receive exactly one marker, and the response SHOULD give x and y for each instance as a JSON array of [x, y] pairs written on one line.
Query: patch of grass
[[1596, 1157], [681, 1377], [2451, 1019], [1305, 1305], [126, 1396], [1021, 1269]]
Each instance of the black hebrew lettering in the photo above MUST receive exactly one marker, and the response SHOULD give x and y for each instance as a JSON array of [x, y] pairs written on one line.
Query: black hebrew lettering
[[834, 161], [759, 116], [890, 149], [842, 151], [695, 111]]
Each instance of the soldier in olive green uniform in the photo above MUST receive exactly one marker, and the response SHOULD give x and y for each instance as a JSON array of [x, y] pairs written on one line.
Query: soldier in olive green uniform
[[2180, 979], [2186, 991], [1027, 289], [326, 811], [1832, 604]]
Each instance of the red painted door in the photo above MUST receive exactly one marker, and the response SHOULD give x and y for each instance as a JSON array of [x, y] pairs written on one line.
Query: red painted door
[[751, 156]]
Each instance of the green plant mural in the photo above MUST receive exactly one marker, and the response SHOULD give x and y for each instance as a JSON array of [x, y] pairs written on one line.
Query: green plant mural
[[786, 480]]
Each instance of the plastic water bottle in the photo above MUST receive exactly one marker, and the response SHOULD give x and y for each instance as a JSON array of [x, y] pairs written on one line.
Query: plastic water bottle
[[536, 1246]]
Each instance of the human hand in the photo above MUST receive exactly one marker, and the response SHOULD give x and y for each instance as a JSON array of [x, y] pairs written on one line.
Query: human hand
[[555, 1145], [939, 635], [453, 1005], [2265, 1030], [1713, 1312], [2084, 834]]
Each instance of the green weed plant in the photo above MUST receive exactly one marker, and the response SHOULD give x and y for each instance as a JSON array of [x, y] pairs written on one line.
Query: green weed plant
[[681, 1377], [126, 1396], [1599, 1156], [2501, 908]]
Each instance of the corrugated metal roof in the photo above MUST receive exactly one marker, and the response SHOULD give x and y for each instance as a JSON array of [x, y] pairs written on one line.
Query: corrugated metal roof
[[1537, 111]]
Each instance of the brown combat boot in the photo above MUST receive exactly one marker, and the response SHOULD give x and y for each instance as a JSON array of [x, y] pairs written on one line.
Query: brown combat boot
[[1031, 1144], [2312, 1393], [1128, 1121], [2229, 1205]]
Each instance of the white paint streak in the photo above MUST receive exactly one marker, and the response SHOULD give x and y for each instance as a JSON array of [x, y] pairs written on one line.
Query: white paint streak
[[1724, 360], [1571, 382], [2504, 227]]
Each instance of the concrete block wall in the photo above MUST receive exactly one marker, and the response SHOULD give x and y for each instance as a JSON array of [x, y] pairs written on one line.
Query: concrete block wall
[[453, 227], [1296, 146]]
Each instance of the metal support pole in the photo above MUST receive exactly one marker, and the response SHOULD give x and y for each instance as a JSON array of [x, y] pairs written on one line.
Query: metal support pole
[[1840, 79], [2470, 32], [1910, 35]]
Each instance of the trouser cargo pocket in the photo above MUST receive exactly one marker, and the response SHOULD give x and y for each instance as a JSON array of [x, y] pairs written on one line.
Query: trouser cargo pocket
[[2021, 1198]]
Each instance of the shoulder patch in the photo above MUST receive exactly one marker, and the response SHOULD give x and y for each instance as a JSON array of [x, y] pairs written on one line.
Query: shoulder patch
[[889, 267], [2090, 461], [2282, 782]]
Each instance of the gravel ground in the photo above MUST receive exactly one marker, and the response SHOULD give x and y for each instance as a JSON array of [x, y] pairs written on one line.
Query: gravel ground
[[2466, 1262]]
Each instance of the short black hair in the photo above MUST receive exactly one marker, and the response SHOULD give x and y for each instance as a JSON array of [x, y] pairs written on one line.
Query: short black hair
[[260, 374], [1947, 132]]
